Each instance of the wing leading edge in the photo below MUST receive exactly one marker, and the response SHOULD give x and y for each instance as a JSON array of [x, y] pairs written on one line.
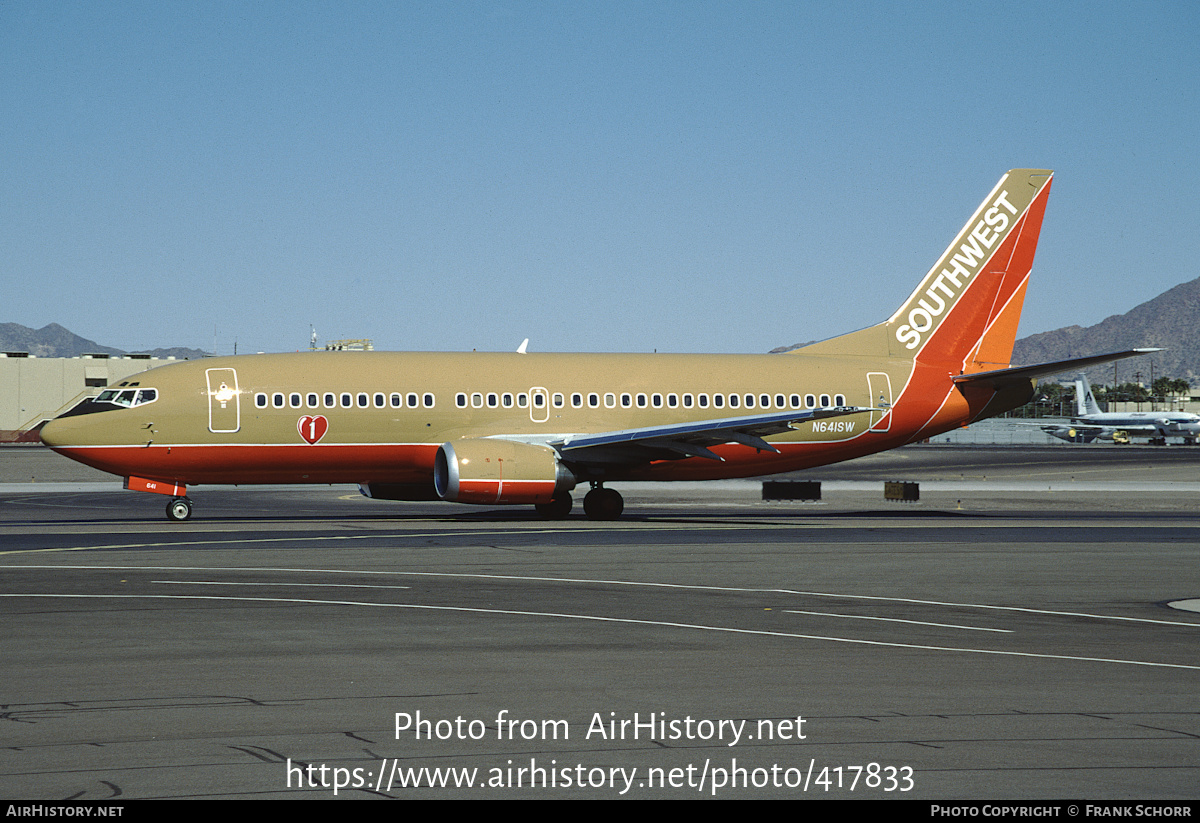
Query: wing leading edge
[[689, 439]]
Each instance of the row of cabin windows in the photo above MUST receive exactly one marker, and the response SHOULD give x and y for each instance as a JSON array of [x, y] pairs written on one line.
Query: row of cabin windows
[[345, 400], [492, 400], [593, 400]]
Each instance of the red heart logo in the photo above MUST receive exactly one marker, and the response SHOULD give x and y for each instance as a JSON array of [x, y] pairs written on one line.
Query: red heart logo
[[312, 428]]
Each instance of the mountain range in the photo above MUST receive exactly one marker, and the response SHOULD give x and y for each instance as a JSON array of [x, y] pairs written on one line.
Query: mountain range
[[1169, 322], [55, 341]]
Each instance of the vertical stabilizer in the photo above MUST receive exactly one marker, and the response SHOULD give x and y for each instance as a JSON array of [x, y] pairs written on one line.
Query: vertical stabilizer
[[966, 310], [964, 314], [1085, 401]]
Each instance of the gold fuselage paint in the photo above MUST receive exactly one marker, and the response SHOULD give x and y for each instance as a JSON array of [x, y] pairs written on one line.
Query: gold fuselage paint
[[186, 435], [516, 427]]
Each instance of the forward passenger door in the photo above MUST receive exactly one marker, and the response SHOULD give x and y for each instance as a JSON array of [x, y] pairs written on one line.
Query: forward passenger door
[[224, 400]]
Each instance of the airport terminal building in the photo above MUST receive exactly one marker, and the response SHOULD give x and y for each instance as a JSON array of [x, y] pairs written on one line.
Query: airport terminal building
[[37, 389]]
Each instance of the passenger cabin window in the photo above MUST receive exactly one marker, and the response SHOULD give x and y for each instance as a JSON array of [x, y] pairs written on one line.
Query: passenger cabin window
[[330, 400], [277, 400], [260, 399], [839, 400], [824, 401], [294, 400], [313, 401], [460, 400], [429, 401]]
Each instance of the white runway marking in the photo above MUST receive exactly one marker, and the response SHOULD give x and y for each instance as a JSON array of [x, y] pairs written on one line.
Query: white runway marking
[[636, 583], [281, 583], [899, 620], [602, 619]]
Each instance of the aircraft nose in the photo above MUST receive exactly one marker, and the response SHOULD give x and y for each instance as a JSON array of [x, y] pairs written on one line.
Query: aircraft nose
[[51, 434], [47, 434], [73, 427]]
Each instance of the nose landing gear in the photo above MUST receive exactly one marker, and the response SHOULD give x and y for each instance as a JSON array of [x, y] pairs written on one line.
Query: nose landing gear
[[179, 509]]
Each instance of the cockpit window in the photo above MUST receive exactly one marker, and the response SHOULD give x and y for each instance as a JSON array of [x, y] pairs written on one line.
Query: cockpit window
[[128, 398]]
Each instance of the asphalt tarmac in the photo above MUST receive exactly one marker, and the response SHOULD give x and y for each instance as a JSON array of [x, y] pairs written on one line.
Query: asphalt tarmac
[[1016, 634]]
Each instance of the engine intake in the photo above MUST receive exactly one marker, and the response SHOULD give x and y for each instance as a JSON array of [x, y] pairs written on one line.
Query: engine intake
[[490, 471]]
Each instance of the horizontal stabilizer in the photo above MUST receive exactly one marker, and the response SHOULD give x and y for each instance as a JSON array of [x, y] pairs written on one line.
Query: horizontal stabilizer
[[1003, 377]]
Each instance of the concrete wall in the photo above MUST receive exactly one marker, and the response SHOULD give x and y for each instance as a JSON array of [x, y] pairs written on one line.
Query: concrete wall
[[34, 389]]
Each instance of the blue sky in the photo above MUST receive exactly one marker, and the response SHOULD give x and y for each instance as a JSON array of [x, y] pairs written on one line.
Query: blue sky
[[601, 176]]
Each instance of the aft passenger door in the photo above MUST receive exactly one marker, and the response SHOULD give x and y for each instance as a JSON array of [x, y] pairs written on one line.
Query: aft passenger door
[[224, 406], [879, 384]]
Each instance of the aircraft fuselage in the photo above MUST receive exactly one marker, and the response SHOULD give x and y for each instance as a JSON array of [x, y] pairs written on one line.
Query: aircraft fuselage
[[363, 417]]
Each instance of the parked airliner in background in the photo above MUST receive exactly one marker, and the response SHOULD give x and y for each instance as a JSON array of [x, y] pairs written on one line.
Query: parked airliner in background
[[1089, 423], [523, 428]]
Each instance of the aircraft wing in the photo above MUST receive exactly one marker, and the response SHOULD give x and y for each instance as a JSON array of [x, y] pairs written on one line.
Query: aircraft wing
[[688, 439], [1094, 429], [1004, 377]]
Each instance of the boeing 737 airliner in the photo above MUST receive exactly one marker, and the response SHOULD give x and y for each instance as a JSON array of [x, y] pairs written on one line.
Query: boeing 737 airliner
[[523, 428], [1089, 423]]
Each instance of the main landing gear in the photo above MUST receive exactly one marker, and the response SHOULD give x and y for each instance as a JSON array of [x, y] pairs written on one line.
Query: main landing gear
[[179, 509], [598, 504], [603, 504], [556, 509]]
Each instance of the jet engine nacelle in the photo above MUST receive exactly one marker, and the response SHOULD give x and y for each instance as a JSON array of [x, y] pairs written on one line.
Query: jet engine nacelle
[[1070, 434], [490, 471]]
